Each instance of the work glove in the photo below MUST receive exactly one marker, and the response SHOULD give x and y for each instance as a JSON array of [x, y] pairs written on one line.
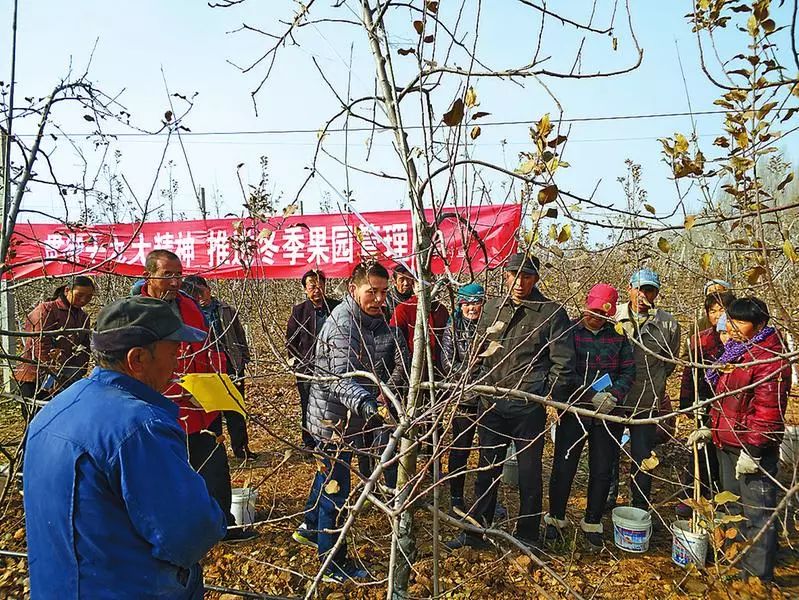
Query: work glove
[[746, 464], [603, 402], [700, 437], [370, 413]]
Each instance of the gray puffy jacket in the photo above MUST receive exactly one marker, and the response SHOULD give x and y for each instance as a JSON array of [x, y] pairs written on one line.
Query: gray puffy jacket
[[351, 340]]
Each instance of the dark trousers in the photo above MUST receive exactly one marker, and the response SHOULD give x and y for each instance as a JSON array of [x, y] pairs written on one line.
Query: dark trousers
[[603, 445], [496, 431], [758, 499], [304, 388], [236, 425], [371, 446], [464, 426], [209, 459], [643, 439], [324, 511]]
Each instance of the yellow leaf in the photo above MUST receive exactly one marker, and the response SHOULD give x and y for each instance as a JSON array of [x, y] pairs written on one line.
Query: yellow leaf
[[648, 464], [492, 349], [619, 328], [527, 166], [475, 132], [495, 328], [724, 497], [705, 260], [752, 26], [471, 97], [790, 251], [615, 43], [689, 221], [732, 519], [547, 194], [332, 487], [565, 234], [289, 210], [663, 245], [544, 126], [553, 232], [649, 208], [742, 138], [680, 143]]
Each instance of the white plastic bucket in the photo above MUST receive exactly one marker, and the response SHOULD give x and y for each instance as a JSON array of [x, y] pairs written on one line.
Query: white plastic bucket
[[242, 505], [632, 528], [510, 470], [688, 547], [789, 449]]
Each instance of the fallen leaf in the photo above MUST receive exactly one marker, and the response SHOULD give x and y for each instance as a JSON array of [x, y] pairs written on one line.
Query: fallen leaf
[[332, 487], [649, 464]]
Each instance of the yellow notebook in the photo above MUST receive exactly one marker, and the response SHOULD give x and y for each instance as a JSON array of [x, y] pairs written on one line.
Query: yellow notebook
[[213, 392]]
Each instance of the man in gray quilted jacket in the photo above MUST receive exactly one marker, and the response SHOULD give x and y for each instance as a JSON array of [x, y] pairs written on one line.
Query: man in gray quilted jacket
[[355, 337]]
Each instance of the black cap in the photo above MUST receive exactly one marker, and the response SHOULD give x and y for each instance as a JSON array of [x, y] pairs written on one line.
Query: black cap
[[521, 262], [139, 321]]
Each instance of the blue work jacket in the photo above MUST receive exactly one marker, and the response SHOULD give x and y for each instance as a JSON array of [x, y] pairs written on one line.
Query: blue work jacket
[[112, 507]]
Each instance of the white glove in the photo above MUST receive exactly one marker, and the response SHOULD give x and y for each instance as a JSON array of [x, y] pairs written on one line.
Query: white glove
[[746, 465], [604, 402], [700, 437]]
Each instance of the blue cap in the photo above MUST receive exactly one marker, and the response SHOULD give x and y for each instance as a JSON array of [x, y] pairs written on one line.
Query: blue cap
[[471, 292], [721, 326], [644, 277], [712, 282]]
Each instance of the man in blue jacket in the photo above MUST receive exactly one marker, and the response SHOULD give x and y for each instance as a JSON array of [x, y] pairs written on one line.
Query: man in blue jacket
[[112, 507]]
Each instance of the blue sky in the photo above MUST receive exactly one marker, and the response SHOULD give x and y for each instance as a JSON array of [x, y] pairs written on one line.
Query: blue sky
[[192, 44]]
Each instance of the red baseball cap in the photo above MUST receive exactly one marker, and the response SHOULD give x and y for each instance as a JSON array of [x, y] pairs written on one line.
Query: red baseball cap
[[602, 297]]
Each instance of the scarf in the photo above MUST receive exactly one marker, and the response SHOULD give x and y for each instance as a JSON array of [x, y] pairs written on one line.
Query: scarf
[[733, 351]]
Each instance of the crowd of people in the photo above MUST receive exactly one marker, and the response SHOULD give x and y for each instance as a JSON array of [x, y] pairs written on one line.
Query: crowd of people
[[127, 479]]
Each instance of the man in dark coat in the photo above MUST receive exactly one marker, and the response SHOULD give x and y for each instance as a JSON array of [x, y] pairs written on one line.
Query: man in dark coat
[[303, 327], [530, 349]]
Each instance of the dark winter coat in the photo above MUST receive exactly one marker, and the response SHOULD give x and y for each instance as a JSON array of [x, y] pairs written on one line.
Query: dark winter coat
[[753, 418], [301, 333], [457, 351], [351, 340], [537, 352]]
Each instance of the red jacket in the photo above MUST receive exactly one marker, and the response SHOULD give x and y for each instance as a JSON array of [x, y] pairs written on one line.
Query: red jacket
[[709, 349], [753, 418], [193, 358], [404, 319]]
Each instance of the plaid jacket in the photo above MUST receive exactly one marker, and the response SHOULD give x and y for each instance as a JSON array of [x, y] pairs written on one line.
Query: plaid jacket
[[603, 352]]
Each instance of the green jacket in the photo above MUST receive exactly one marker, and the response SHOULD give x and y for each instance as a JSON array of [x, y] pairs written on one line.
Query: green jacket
[[537, 352], [661, 335]]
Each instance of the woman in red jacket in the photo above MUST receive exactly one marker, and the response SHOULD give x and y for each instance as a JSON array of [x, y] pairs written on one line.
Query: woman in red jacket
[[747, 424], [53, 361]]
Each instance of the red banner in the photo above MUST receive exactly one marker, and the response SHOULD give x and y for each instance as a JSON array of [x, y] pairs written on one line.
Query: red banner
[[279, 248]]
